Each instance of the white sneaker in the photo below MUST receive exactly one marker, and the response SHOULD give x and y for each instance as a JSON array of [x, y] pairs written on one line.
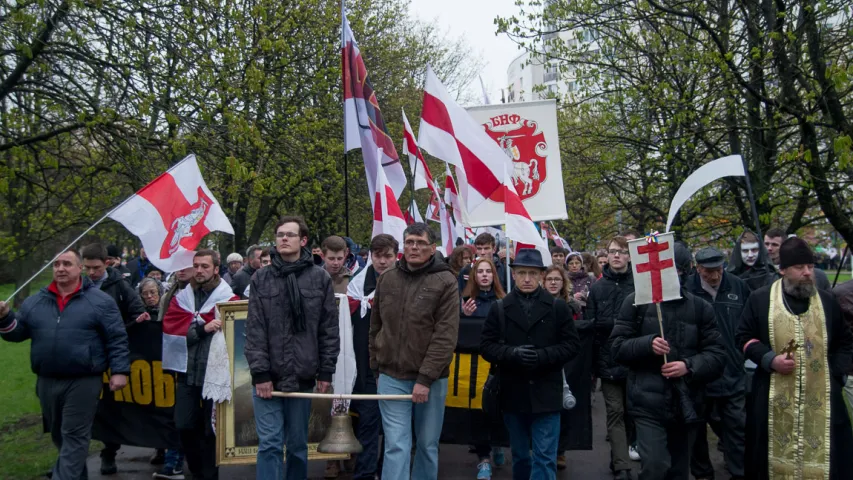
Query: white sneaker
[[633, 453]]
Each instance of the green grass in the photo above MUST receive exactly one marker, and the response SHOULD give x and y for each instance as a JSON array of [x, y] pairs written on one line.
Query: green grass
[[25, 452], [844, 277]]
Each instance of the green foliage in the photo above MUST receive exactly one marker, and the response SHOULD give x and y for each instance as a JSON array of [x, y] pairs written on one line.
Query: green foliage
[[123, 89], [663, 88]]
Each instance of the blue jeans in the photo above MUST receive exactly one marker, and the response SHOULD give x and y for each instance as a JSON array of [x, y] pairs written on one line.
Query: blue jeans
[[282, 421], [542, 432], [174, 458], [397, 425]]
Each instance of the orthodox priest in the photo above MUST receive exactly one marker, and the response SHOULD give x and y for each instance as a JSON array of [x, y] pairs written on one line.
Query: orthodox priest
[[803, 348]]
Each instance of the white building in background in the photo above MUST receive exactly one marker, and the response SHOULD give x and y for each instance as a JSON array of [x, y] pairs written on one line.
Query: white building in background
[[529, 71]]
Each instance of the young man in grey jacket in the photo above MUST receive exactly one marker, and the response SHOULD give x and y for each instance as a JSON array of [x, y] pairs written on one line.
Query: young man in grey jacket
[[292, 344]]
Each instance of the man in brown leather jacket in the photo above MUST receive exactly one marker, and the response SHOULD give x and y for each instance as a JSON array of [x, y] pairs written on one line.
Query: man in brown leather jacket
[[413, 330]]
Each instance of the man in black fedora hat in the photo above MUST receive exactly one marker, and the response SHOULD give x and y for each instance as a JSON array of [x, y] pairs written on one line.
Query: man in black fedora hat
[[528, 336]]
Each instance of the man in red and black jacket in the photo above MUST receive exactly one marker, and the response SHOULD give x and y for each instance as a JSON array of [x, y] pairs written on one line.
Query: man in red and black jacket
[[77, 334]]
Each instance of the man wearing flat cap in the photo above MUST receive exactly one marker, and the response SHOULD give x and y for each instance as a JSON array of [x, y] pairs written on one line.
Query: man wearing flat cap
[[797, 423], [725, 397], [528, 336]]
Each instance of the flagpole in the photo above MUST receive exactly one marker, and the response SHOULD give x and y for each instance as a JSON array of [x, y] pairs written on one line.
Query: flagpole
[[414, 176], [506, 259], [840, 266], [752, 203], [346, 192], [12, 297]]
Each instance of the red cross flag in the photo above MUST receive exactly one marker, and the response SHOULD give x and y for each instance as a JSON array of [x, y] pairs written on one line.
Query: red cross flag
[[653, 264], [172, 214]]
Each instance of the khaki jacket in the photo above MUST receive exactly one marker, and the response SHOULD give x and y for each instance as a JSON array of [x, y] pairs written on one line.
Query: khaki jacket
[[414, 322]]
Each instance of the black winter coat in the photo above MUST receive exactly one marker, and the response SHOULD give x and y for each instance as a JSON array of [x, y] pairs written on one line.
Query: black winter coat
[[551, 330], [139, 269], [292, 361], [129, 303], [85, 339], [471, 327], [241, 280], [602, 308], [691, 331], [732, 296]]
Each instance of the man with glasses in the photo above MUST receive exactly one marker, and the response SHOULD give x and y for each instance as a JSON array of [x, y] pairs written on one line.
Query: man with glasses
[[292, 344], [413, 330], [602, 307]]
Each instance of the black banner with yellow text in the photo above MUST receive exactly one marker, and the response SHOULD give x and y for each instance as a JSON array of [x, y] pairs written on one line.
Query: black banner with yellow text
[[140, 414]]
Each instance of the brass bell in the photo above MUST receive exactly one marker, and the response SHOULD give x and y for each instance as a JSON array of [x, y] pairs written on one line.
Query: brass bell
[[340, 438]]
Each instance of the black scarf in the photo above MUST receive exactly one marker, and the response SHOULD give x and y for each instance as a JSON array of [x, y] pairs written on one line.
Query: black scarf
[[289, 270]]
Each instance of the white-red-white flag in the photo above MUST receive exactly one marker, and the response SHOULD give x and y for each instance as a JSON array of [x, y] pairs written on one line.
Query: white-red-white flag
[[172, 214], [387, 216], [451, 197], [433, 212], [519, 227], [413, 214], [364, 126], [181, 314], [448, 132], [420, 170], [448, 229]]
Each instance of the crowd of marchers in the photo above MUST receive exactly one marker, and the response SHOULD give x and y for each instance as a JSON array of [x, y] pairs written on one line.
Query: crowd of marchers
[[758, 347]]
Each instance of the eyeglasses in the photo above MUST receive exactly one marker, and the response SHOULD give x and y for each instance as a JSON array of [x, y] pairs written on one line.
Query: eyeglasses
[[149, 294], [286, 234], [614, 251], [554, 280], [416, 243]]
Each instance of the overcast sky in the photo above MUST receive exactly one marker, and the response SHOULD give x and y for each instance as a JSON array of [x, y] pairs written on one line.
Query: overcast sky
[[474, 20]]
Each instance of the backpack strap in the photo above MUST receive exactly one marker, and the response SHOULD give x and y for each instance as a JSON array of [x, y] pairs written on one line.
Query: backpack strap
[[501, 322]]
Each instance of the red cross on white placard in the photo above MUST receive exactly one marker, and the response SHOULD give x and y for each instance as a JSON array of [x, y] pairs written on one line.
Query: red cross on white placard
[[654, 266]]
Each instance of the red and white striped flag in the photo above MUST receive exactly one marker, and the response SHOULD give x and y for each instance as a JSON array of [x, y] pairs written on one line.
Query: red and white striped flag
[[519, 227], [448, 132], [420, 170], [448, 229], [364, 126], [181, 314], [172, 214], [451, 197], [433, 212], [387, 216]]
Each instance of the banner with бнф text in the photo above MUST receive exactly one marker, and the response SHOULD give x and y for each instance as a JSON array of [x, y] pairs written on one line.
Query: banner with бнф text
[[141, 413], [528, 133]]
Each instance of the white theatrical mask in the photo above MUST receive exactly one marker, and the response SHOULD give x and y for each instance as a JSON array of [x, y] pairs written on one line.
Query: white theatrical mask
[[749, 253]]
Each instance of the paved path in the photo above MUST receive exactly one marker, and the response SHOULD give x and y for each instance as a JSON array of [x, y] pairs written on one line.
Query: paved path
[[455, 463]]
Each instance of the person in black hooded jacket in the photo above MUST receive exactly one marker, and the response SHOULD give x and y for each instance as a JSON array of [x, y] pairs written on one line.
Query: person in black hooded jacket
[[602, 307], [664, 398], [132, 310], [751, 263]]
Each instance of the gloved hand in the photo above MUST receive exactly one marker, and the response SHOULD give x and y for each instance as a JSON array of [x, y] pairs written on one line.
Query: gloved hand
[[526, 356]]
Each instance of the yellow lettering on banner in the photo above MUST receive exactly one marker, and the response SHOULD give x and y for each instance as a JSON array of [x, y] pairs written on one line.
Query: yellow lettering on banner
[[140, 382], [482, 375], [105, 379], [164, 386], [459, 386]]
